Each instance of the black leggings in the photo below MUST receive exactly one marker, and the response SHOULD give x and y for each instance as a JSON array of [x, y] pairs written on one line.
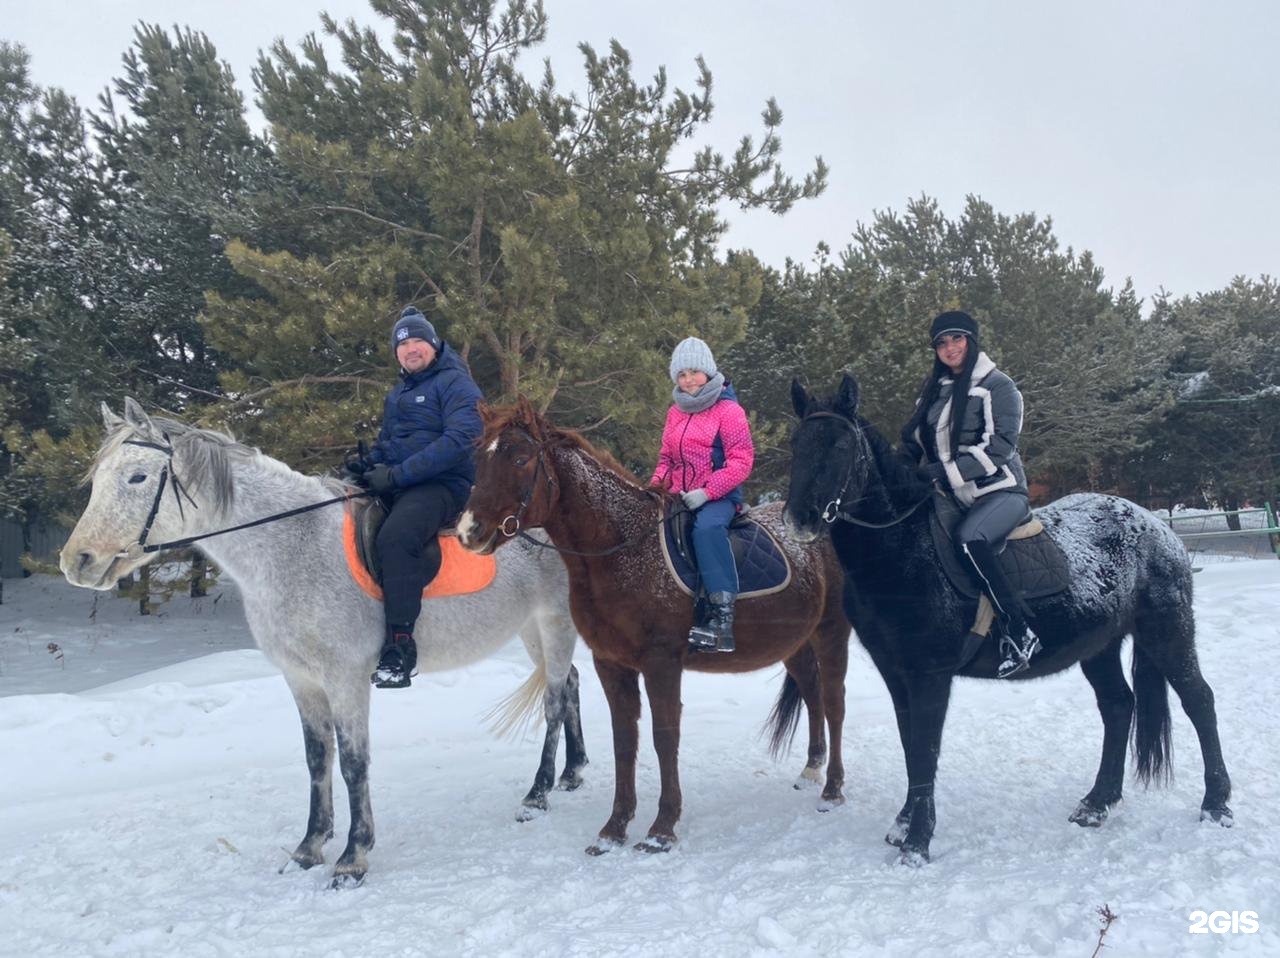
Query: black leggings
[[408, 549]]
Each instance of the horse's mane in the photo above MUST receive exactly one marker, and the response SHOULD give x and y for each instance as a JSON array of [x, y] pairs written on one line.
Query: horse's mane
[[500, 417], [207, 456]]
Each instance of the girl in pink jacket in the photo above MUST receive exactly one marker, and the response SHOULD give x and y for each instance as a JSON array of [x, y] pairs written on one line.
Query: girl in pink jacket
[[706, 456]]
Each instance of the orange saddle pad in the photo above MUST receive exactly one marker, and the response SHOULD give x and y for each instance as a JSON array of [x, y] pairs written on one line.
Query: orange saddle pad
[[461, 571]]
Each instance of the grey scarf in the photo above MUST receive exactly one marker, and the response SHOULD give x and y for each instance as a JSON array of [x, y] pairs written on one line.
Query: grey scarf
[[704, 398]]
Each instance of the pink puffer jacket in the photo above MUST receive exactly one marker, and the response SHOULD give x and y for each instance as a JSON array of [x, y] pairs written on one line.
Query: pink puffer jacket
[[684, 462]]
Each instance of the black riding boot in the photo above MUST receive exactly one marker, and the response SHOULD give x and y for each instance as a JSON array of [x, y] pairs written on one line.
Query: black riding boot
[[399, 657], [1018, 643]]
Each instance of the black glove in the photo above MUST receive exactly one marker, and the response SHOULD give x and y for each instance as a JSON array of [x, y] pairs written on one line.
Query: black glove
[[932, 472], [378, 480], [356, 464]]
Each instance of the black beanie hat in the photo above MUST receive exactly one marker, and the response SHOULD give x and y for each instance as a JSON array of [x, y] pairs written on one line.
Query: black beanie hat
[[413, 325], [954, 321]]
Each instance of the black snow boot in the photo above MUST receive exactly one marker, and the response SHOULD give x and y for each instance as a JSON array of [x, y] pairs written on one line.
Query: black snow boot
[[721, 621], [1017, 643], [398, 660]]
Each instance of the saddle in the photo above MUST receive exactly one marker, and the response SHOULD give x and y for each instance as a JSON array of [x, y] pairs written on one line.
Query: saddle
[[1033, 561], [461, 572], [763, 568]]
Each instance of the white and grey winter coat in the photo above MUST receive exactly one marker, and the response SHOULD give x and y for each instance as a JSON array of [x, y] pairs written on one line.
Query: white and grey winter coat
[[987, 459]]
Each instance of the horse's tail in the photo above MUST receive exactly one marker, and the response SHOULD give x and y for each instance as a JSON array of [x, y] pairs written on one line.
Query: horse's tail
[[1152, 732], [522, 709], [784, 718]]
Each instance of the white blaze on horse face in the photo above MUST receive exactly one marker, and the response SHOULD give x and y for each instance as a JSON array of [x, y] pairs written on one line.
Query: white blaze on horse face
[[466, 526], [492, 447]]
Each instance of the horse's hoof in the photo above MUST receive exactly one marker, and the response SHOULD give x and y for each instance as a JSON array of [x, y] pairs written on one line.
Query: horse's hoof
[[809, 778], [913, 857], [528, 813], [603, 846], [656, 843], [347, 880], [300, 862], [570, 781], [1088, 816], [1221, 815], [829, 804], [897, 833]]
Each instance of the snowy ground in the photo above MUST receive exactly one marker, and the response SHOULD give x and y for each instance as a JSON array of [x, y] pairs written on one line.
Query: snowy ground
[[154, 778]]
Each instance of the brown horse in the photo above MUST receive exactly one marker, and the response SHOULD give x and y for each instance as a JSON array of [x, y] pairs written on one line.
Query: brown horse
[[629, 610]]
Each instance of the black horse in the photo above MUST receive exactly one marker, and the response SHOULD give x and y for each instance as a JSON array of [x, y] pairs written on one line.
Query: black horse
[[1129, 575]]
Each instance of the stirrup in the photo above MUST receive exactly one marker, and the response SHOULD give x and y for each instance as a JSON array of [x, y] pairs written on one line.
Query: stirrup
[[702, 639], [1017, 654]]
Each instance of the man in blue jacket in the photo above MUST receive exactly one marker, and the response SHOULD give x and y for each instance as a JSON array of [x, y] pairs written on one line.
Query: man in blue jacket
[[422, 466]]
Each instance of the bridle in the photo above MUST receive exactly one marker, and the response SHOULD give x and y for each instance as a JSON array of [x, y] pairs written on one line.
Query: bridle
[[831, 512], [169, 477], [175, 484], [510, 526]]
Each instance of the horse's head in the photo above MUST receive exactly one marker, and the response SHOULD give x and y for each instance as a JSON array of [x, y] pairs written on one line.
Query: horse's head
[[133, 490], [830, 459], [514, 488]]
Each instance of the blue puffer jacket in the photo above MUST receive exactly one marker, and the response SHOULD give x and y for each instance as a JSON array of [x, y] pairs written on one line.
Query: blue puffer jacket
[[430, 425]]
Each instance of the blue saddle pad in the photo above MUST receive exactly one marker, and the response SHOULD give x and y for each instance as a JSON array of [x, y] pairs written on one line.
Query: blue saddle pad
[[762, 565]]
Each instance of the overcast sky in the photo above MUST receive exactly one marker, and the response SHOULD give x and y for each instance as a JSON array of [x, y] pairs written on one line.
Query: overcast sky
[[1148, 129]]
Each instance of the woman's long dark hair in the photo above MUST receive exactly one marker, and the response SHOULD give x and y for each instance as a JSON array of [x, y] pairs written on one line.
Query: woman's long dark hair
[[959, 396]]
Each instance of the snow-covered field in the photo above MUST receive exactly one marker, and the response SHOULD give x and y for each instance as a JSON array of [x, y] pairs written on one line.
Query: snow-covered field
[[153, 779]]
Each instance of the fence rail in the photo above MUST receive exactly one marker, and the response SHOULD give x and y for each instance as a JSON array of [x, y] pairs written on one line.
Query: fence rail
[[1269, 527]]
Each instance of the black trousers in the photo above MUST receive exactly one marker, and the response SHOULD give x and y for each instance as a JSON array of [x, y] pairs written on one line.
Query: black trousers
[[408, 549]]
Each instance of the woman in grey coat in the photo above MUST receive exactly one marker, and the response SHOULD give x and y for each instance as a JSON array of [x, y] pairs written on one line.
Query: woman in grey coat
[[964, 436]]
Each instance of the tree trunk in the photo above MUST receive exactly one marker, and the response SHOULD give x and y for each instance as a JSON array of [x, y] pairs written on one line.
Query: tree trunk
[[1232, 503], [144, 590], [198, 566]]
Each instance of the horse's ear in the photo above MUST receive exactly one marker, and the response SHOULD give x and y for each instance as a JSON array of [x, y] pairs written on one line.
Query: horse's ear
[[136, 418], [485, 410], [110, 419], [135, 415], [799, 397], [847, 396]]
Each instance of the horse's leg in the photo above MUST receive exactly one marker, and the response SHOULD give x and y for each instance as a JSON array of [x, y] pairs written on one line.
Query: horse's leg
[[575, 749], [559, 638], [622, 690], [662, 684], [833, 664], [1167, 638], [317, 738], [803, 669], [1115, 703], [535, 801], [351, 722], [928, 694], [902, 714]]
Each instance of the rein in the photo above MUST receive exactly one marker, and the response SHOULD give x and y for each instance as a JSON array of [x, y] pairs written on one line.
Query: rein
[[179, 491], [831, 512], [510, 526]]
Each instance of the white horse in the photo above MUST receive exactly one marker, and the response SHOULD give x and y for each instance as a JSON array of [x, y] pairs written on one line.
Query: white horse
[[307, 614]]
